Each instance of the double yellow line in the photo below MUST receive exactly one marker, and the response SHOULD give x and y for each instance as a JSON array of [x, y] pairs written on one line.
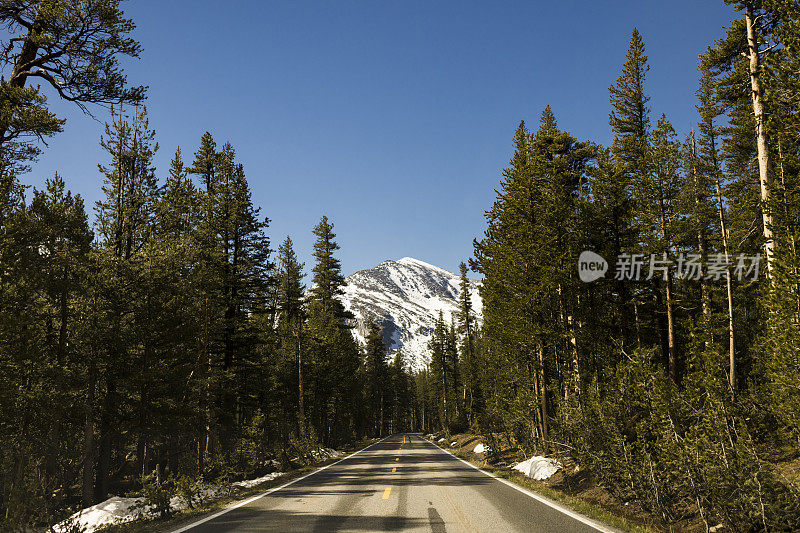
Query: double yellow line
[[388, 490]]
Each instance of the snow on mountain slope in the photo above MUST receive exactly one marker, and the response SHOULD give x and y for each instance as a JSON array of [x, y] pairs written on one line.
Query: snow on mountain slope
[[405, 298]]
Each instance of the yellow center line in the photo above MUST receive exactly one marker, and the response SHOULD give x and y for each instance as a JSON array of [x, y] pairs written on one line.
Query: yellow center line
[[387, 492]]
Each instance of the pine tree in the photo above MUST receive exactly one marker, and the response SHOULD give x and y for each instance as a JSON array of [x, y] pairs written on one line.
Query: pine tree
[[205, 162], [630, 124], [378, 380], [244, 271], [709, 165], [208, 272], [505, 258], [467, 329], [560, 163], [42, 289], [630, 115], [178, 209], [291, 318], [754, 54], [453, 362], [335, 354], [125, 221], [740, 181], [74, 48], [125, 216], [328, 279], [441, 373], [169, 320], [402, 397], [657, 196]]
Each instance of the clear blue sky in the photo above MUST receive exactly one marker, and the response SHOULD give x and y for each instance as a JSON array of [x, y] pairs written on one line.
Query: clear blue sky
[[393, 118]]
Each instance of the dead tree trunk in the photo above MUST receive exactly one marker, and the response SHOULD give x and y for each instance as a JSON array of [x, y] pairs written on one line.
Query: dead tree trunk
[[762, 140]]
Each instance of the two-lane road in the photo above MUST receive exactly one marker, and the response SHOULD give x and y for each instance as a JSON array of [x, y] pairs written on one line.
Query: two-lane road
[[402, 483]]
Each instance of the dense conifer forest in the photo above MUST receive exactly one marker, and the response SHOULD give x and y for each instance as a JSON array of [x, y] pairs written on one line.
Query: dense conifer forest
[[160, 336], [167, 338], [678, 390]]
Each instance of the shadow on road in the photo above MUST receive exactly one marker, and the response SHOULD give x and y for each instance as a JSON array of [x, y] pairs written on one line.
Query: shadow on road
[[253, 519]]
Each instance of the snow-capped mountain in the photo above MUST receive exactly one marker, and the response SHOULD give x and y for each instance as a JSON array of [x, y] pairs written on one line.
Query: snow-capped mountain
[[405, 297]]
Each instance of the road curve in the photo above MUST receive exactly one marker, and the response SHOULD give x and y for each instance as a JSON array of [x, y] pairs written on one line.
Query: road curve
[[402, 483]]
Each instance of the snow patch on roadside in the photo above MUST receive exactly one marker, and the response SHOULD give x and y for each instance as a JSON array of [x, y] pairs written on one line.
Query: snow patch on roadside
[[116, 510], [250, 483], [538, 467], [322, 454], [120, 509], [481, 448]]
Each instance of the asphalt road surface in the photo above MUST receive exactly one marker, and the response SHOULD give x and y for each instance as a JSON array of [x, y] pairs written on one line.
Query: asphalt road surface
[[402, 483]]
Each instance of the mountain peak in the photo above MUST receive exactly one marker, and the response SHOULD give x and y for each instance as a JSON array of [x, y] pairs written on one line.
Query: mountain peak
[[405, 298], [410, 261]]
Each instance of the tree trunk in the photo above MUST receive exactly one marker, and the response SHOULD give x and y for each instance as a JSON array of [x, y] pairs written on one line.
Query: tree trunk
[[623, 296], [17, 78], [444, 390], [728, 285], [659, 322], [790, 230], [568, 321], [380, 431], [701, 241], [470, 370], [536, 423], [300, 403], [204, 364], [762, 140], [55, 429], [104, 451], [729, 289], [542, 395], [673, 358], [88, 436]]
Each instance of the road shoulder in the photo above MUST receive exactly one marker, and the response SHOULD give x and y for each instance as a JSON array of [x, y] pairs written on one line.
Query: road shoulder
[[590, 514], [187, 519]]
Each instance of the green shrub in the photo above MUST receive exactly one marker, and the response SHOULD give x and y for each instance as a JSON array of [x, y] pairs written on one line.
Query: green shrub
[[188, 489], [680, 451], [156, 496]]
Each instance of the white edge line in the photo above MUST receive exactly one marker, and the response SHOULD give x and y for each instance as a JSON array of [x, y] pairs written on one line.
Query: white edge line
[[270, 491], [572, 514]]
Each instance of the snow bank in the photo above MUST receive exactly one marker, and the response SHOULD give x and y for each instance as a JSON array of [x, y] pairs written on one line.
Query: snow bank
[[321, 454], [481, 448], [538, 467], [119, 510], [116, 510], [250, 483], [441, 439]]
